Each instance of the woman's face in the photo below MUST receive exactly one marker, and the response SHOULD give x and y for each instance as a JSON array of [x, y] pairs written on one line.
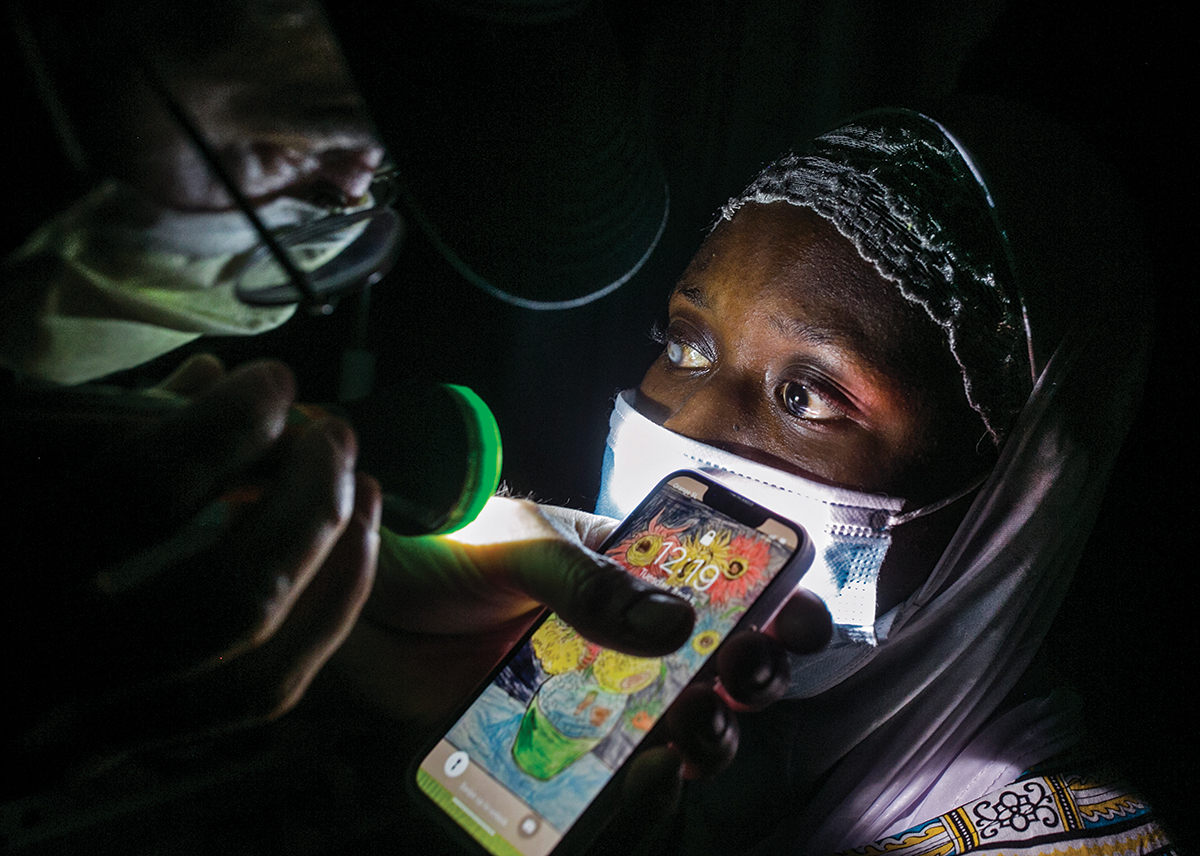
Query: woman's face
[[786, 347]]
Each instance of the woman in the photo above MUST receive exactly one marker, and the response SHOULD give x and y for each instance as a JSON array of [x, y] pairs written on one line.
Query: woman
[[936, 315]]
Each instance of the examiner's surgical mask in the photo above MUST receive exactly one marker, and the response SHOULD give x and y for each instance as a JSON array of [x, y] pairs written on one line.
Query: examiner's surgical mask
[[150, 280], [851, 531]]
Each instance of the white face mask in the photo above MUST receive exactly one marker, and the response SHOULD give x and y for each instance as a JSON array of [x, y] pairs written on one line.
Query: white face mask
[[851, 531]]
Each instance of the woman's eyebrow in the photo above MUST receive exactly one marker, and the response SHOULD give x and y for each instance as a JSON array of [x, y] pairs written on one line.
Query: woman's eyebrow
[[799, 329], [693, 294], [809, 333]]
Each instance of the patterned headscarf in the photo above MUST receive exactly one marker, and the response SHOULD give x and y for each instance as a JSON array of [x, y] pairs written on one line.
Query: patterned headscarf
[[926, 722], [909, 198]]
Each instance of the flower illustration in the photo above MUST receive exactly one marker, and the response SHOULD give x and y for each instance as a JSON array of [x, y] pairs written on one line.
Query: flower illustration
[[709, 547], [621, 673], [644, 549], [642, 720], [742, 572], [710, 629], [558, 647], [705, 642], [640, 549]]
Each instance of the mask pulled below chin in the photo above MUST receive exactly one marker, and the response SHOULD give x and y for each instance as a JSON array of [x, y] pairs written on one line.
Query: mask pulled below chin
[[126, 283]]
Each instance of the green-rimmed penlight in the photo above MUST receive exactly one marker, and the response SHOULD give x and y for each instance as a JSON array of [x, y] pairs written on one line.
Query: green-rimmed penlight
[[435, 449], [483, 461]]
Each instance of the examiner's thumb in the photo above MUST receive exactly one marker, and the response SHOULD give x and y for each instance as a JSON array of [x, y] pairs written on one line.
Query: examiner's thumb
[[538, 551], [606, 604]]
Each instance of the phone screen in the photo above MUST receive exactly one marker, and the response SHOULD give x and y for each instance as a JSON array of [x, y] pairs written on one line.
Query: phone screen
[[550, 730]]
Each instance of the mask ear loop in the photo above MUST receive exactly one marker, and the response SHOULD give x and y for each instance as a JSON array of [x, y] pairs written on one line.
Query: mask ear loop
[[972, 486]]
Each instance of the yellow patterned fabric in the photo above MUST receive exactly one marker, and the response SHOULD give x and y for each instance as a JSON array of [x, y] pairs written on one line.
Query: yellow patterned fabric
[[1061, 814]]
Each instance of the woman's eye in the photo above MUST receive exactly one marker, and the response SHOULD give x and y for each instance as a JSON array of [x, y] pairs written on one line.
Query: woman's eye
[[803, 402], [684, 356]]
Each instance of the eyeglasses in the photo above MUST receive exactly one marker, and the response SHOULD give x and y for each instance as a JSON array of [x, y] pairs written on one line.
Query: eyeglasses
[[319, 262], [314, 264]]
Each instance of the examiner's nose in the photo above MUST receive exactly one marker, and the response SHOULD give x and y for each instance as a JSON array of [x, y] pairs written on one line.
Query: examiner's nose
[[350, 170]]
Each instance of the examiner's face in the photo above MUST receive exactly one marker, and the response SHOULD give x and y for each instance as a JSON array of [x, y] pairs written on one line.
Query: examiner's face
[[786, 347], [273, 98]]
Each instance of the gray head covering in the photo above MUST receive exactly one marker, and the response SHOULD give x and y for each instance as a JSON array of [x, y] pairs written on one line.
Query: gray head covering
[[925, 721], [909, 197]]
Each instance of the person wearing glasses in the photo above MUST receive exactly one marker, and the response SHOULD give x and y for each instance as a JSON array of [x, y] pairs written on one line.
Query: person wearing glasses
[[193, 559], [856, 324], [197, 153]]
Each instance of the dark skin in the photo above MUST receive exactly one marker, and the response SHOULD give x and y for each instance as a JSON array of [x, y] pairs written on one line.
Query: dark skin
[[784, 346], [868, 424], [445, 609], [146, 630], [151, 645], [132, 626], [133, 629]]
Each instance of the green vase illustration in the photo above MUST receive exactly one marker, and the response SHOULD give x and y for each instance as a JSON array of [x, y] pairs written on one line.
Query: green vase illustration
[[567, 718]]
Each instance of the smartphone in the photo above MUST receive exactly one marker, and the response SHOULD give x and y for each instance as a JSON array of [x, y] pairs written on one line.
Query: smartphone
[[548, 732]]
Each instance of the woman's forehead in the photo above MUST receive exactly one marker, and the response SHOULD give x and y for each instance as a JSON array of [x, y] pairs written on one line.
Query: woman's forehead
[[784, 265], [787, 248]]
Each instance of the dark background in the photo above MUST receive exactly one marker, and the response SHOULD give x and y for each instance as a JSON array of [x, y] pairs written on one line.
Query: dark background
[[725, 86]]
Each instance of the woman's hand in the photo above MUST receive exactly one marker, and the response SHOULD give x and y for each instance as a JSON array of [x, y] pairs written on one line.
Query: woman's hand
[[702, 725], [445, 609]]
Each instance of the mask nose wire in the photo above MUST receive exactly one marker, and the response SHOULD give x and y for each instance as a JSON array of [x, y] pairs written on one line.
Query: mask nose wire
[[972, 486]]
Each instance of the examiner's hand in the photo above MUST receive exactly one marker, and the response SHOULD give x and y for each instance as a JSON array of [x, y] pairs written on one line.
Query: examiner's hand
[[145, 609], [446, 608]]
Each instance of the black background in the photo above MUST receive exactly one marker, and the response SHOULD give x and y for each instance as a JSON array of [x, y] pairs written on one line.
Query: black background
[[727, 85]]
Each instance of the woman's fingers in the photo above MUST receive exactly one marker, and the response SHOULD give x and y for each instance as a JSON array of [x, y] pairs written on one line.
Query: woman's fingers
[[650, 792], [754, 671], [753, 668], [704, 730], [594, 595], [603, 602], [703, 735], [506, 563], [803, 625]]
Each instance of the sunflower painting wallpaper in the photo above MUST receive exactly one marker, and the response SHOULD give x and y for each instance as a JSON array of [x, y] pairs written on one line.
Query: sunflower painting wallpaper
[[564, 714]]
